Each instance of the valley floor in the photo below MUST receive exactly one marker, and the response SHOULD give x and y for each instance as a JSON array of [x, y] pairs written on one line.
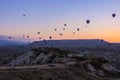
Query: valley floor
[[45, 66]]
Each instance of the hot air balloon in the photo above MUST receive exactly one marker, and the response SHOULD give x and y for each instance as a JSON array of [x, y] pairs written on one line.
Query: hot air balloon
[[24, 15], [73, 33], [78, 29], [63, 28], [9, 37], [38, 32], [27, 36], [61, 34], [87, 21], [50, 37], [65, 24], [55, 29], [40, 38], [23, 35], [113, 15]]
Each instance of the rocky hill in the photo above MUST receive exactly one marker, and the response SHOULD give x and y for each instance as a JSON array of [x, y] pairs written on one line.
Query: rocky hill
[[86, 64], [87, 60], [71, 43]]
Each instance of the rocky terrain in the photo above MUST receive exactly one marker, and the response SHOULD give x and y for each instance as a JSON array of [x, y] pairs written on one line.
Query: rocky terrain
[[99, 62]]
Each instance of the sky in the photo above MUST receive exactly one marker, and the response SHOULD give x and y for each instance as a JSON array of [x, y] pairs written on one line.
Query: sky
[[45, 15]]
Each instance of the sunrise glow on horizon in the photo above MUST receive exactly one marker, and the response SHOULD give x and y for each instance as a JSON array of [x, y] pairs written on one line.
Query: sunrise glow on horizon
[[45, 16]]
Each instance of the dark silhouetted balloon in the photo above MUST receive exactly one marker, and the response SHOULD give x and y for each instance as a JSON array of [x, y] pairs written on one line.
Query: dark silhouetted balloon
[[38, 32], [27, 36], [78, 29], [61, 34], [65, 24], [73, 33], [24, 15], [63, 28], [113, 15], [87, 21], [40, 38], [55, 29], [9, 37], [23, 35], [50, 37]]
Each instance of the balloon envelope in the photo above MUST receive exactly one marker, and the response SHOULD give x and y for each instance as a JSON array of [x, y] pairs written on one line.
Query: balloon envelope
[[23, 15], [113, 15], [73, 32], [9, 37], [50, 37], [63, 28], [23, 35], [38, 32], [65, 24], [61, 34], [27, 36], [55, 29], [87, 21], [78, 29], [39, 37]]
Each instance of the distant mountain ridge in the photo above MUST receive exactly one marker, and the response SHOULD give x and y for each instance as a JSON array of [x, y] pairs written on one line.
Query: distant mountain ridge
[[10, 42], [71, 43], [65, 44]]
